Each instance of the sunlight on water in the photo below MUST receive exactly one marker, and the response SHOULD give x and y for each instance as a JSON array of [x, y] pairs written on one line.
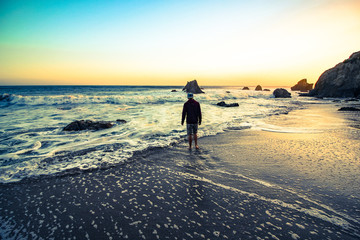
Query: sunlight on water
[[31, 123]]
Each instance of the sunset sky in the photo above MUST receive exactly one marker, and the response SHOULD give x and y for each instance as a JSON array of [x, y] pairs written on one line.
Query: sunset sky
[[223, 42]]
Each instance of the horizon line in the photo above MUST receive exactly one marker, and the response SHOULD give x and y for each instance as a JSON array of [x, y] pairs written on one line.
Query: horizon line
[[134, 85]]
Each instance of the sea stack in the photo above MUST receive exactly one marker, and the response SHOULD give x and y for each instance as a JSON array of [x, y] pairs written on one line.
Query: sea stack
[[192, 87], [302, 86], [343, 80]]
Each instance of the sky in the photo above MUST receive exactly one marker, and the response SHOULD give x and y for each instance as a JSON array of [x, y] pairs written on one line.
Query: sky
[[217, 42]]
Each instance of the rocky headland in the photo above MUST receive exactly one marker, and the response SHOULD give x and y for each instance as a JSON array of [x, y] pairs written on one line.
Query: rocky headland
[[342, 81]]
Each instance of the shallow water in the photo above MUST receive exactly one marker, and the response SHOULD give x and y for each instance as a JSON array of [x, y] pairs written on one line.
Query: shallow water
[[32, 142]]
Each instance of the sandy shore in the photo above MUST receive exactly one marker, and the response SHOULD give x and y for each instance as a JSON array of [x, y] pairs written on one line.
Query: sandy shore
[[294, 176]]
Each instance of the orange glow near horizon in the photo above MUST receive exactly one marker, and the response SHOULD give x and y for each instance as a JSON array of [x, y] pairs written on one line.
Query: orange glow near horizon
[[232, 43]]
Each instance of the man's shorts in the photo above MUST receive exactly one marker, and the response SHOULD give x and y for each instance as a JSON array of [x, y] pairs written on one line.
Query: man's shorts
[[191, 128]]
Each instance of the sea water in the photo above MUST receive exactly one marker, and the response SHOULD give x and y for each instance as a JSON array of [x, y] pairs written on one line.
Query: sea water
[[32, 118]]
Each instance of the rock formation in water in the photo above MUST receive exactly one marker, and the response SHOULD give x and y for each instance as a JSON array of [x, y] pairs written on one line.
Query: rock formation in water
[[349, 109], [223, 104], [88, 125], [245, 88], [5, 97], [258, 88], [302, 86], [121, 121], [281, 93], [193, 87], [343, 80]]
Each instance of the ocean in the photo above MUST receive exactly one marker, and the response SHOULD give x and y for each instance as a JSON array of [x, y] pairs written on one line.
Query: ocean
[[33, 143]]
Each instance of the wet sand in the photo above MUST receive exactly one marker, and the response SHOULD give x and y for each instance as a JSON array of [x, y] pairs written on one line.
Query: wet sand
[[294, 177]]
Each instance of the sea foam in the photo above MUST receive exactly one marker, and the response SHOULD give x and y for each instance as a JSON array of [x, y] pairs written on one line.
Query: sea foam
[[32, 142]]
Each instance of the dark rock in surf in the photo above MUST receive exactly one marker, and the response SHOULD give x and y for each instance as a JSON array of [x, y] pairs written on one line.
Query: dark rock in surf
[[64, 108], [302, 86], [88, 125], [258, 88], [192, 87], [281, 93], [245, 88], [223, 104], [173, 90], [121, 121], [343, 80], [349, 109], [304, 94], [266, 90], [352, 100], [5, 97]]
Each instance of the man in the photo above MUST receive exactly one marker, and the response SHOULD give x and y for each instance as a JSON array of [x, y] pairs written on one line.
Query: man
[[192, 112]]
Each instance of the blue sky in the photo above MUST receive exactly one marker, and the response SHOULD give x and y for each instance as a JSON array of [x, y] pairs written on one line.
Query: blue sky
[[273, 42]]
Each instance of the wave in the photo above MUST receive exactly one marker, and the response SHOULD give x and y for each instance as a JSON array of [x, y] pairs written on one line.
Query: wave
[[64, 162], [82, 99], [128, 98], [39, 147]]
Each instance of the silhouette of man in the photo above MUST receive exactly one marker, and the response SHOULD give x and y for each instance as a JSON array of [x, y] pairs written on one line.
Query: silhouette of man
[[192, 113]]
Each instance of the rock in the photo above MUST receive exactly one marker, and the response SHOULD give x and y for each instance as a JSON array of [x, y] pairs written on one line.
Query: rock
[[304, 95], [87, 125], [302, 86], [266, 90], [281, 93], [352, 109], [245, 88], [352, 100], [193, 87], [223, 104], [227, 91], [121, 121], [343, 80], [258, 88], [173, 90], [5, 97], [64, 108]]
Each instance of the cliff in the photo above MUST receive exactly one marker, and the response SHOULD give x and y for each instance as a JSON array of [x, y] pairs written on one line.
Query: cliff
[[343, 80]]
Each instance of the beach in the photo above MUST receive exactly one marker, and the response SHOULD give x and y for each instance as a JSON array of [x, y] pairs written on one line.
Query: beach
[[98, 100], [295, 177]]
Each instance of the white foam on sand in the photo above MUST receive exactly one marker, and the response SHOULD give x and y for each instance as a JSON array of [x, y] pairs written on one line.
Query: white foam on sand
[[327, 214], [281, 129]]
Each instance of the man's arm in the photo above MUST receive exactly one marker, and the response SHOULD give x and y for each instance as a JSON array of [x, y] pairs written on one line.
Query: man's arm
[[200, 117], [183, 115]]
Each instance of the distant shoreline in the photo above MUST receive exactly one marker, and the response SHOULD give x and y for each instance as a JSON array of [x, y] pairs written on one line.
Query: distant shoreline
[[160, 86]]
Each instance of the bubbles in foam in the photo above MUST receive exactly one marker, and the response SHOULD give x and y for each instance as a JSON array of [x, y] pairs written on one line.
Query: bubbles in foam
[[33, 143]]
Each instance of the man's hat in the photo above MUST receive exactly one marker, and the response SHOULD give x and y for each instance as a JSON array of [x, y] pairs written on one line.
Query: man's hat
[[190, 95]]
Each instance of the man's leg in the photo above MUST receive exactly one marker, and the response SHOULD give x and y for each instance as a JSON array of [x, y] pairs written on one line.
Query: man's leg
[[195, 139], [190, 140]]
